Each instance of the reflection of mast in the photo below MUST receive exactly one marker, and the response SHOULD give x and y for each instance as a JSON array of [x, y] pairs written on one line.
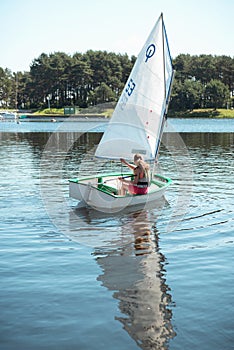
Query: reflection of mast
[[134, 272]]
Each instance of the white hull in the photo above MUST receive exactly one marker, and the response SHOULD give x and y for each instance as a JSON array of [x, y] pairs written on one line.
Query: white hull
[[101, 192]]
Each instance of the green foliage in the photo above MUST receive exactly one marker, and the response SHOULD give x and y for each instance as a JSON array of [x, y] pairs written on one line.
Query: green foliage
[[216, 93], [203, 113], [95, 77], [51, 111], [6, 87], [103, 93], [186, 94], [203, 81]]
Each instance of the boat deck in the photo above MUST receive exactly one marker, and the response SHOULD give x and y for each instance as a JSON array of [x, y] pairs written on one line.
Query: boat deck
[[111, 184]]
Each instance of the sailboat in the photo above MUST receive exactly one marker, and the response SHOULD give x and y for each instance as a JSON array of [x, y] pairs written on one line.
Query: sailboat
[[135, 127]]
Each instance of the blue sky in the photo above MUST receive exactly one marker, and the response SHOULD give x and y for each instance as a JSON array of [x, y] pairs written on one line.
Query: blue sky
[[31, 27]]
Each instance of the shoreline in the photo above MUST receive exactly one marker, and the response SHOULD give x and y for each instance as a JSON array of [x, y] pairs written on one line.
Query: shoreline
[[62, 118], [102, 119], [28, 116]]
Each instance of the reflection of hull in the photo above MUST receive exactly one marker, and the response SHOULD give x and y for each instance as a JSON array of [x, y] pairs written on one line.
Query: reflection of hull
[[101, 192], [133, 269]]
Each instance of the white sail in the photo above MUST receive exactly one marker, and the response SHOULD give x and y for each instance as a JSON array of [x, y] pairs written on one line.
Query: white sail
[[135, 126]]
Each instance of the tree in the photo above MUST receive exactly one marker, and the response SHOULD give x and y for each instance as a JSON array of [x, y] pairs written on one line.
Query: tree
[[182, 65], [224, 66], [6, 87], [216, 94], [79, 77], [47, 79], [84, 79], [102, 94], [186, 95], [202, 68]]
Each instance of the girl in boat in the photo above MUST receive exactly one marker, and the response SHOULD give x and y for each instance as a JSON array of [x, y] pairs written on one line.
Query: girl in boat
[[141, 182]]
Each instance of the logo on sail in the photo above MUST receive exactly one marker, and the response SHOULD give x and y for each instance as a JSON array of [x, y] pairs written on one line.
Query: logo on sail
[[150, 51]]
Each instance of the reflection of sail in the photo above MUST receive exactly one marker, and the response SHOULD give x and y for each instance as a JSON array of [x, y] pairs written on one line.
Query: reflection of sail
[[133, 270]]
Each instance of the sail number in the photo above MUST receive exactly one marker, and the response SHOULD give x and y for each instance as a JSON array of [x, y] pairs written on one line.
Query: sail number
[[130, 87], [128, 92]]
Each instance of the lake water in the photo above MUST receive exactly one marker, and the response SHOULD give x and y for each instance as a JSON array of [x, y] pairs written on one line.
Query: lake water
[[155, 278]]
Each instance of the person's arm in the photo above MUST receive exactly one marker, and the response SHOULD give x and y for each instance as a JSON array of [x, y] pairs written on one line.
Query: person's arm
[[131, 166]]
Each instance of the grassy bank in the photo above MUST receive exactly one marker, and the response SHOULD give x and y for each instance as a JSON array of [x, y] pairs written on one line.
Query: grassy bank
[[196, 113], [107, 112], [82, 112], [51, 111], [203, 113]]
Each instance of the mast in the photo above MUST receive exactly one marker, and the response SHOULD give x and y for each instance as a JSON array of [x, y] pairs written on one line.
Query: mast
[[164, 66], [166, 95], [164, 78]]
